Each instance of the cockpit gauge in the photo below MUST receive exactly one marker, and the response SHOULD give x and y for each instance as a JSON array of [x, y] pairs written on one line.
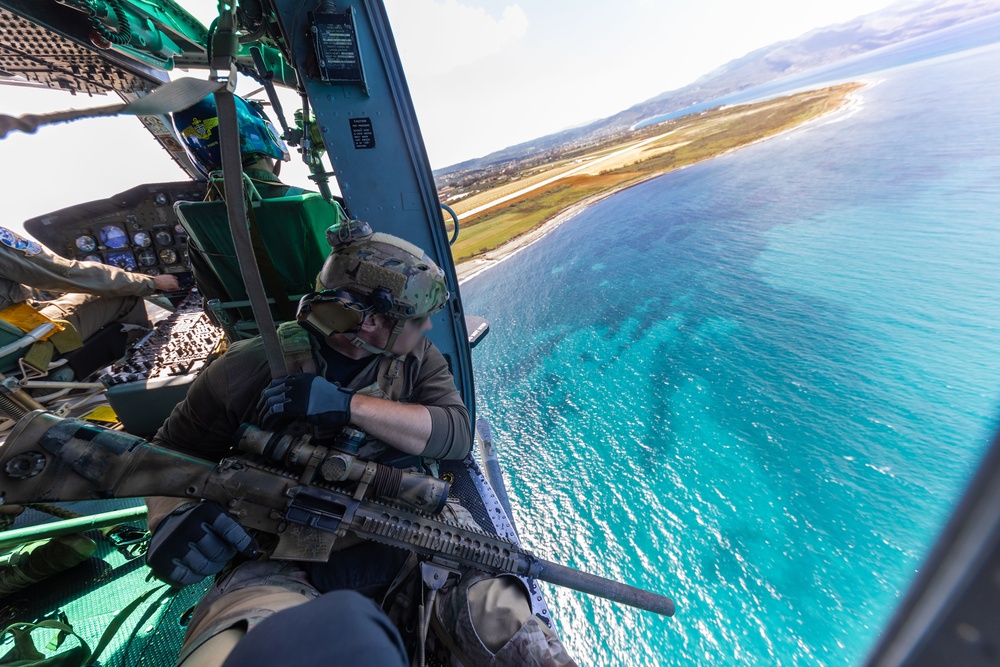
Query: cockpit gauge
[[123, 260], [161, 199], [93, 258], [112, 236], [86, 244], [152, 271], [168, 256], [142, 239], [147, 258], [163, 237]]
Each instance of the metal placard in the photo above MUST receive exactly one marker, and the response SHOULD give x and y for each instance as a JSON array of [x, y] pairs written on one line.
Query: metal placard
[[336, 43], [362, 132]]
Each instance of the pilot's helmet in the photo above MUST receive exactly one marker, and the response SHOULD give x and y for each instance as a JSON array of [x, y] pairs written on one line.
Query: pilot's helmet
[[372, 273], [198, 128]]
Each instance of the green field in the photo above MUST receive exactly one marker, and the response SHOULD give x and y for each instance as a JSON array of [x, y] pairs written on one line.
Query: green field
[[703, 137]]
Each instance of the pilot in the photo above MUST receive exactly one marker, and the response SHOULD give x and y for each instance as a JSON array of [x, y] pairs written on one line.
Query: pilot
[[260, 146], [357, 356], [262, 153], [95, 294]]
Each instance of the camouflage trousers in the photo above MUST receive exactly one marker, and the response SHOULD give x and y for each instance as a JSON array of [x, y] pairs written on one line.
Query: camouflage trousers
[[477, 619], [478, 622]]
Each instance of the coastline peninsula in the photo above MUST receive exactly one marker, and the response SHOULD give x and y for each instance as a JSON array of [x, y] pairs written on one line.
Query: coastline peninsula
[[505, 210]]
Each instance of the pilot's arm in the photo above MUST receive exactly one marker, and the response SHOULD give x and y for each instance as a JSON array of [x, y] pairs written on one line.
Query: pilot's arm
[[30, 263]]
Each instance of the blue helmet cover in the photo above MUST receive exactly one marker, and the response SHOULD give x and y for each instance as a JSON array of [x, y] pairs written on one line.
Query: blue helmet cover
[[198, 128]]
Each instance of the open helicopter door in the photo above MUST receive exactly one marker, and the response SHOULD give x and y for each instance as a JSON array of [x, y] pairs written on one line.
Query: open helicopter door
[[347, 63]]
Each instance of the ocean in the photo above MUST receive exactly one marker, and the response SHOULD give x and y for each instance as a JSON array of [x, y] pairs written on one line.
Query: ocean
[[759, 384]]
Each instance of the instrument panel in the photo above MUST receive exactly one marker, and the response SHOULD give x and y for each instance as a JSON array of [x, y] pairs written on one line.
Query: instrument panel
[[135, 230]]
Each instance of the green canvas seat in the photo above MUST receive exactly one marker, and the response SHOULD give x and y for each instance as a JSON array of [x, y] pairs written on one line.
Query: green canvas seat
[[292, 227]]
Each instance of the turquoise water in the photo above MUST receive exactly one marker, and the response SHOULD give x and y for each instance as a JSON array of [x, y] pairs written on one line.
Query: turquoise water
[[760, 383]]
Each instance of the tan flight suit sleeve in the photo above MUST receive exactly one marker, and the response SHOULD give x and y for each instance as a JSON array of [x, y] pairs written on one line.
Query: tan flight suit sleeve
[[50, 272]]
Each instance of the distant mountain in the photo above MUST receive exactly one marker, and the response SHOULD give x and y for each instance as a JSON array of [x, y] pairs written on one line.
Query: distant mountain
[[894, 24]]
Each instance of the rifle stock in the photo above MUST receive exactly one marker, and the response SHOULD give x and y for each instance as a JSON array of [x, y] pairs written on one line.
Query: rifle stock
[[50, 459]]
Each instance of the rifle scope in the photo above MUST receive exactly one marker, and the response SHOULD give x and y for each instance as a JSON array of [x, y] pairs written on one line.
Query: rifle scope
[[297, 451]]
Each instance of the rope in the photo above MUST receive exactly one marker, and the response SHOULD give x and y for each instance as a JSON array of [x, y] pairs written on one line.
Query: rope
[[60, 512]]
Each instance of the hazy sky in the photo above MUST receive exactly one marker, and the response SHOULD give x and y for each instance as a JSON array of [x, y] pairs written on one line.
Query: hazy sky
[[486, 75], [483, 74]]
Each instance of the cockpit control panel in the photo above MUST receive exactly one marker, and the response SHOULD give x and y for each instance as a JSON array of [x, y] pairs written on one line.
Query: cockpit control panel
[[135, 230]]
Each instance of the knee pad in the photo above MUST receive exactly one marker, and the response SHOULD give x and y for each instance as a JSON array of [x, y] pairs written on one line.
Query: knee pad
[[488, 621]]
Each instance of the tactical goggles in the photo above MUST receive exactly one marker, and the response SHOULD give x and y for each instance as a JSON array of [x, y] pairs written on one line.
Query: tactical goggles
[[331, 312]]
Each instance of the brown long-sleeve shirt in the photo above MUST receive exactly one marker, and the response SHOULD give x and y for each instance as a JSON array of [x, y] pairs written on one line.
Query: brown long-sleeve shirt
[[225, 395]]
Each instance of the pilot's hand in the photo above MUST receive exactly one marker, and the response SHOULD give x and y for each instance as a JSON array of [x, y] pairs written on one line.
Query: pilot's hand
[[195, 541], [304, 396], [166, 282]]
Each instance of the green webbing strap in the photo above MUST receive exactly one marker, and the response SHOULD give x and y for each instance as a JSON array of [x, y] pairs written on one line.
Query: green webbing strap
[[24, 653], [117, 622], [232, 165]]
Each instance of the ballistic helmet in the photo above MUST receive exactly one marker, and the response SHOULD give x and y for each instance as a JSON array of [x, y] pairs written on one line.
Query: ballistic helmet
[[371, 273], [198, 128]]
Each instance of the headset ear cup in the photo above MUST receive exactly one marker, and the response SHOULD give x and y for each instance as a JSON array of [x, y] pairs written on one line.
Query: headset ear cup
[[330, 318]]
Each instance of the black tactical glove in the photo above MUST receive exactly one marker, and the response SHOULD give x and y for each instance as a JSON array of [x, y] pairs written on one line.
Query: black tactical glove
[[195, 541], [304, 396]]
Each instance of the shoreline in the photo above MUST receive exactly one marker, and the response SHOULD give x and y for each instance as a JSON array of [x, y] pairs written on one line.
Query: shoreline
[[471, 268]]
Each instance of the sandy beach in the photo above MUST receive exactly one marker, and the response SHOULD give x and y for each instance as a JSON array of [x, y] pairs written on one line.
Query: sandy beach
[[471, 268]]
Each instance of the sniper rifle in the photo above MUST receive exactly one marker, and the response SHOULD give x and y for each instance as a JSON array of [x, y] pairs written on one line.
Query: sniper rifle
[[50, 459]]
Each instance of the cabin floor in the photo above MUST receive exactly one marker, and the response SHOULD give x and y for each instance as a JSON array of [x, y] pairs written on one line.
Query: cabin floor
[[91, 595]]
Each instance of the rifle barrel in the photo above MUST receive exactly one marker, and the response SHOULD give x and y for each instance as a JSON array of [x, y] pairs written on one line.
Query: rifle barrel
[[560, 575]]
